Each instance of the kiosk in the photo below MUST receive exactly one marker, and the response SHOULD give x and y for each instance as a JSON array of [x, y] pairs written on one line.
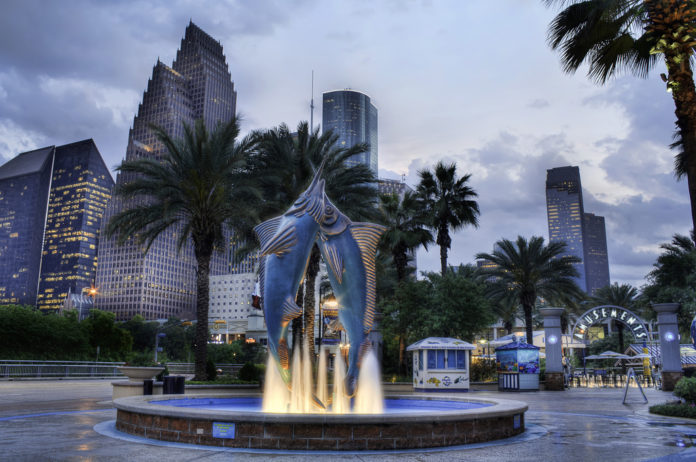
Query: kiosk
[[441, 364], [518, 366]]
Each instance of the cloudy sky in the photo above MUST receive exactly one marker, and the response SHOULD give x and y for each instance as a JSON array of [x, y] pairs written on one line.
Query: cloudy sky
[[469, 82]]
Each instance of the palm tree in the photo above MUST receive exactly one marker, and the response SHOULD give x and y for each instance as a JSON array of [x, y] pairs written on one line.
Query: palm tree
[[198, 187], [628, 35], [623, 295], [525, 270], [449, 203], [284, 165], [406, 229]]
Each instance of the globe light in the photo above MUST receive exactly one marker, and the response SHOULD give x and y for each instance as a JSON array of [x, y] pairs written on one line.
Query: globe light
[[669, 336], [552, 339]]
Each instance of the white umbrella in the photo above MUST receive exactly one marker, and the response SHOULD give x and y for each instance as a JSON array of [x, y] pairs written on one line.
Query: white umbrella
[[611, 354], [594, 357]]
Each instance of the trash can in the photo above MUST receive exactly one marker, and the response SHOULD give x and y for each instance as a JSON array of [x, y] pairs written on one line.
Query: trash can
[[147, 386], [173, 384]]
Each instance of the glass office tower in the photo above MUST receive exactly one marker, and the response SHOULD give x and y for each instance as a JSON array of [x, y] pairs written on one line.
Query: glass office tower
[[162, 283], [51, 206], [584, 233], [565, 213], [597, 263], [352, 116]]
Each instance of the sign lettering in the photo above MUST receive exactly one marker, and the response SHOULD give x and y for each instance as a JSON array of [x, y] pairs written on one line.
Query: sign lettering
[[602, 313]]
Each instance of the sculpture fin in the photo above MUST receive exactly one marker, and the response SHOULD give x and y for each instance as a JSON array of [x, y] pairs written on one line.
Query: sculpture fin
[[364, 348], [266, 230], [334, 261], [281, 243], [290, 311], [367, 237]]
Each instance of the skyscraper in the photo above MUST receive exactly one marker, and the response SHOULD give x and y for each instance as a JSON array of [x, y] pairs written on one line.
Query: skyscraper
[[581, 232], [352, 116], [51, 206], [161, 283], [597, 263]]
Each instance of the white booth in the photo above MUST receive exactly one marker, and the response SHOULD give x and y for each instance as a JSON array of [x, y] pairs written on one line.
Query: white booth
[[441, 364]]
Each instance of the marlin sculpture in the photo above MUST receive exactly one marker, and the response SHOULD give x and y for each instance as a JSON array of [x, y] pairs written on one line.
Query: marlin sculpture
[[349, 251]]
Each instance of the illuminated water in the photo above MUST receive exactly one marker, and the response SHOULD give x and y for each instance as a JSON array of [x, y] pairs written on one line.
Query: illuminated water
[[391, 406]]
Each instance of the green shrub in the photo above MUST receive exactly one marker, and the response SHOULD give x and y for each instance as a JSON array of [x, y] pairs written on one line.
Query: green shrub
[[249, 373], [686, 389], [483, 370], [675, 410]]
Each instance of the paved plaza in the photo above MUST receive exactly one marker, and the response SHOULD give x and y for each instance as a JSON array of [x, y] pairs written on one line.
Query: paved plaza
[[55, 420]]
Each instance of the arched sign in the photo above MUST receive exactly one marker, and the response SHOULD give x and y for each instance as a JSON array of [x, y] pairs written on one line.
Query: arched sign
[[602, 313]]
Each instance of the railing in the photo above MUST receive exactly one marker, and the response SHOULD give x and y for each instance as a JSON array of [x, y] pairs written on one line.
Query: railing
[[611, 380], [53, 369], [189, 368]]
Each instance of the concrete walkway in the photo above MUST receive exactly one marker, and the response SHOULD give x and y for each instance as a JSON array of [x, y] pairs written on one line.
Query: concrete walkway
[[54, 420]]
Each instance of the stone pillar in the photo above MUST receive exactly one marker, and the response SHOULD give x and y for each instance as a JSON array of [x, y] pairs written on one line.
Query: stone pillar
[[669, 343], [554, 350]]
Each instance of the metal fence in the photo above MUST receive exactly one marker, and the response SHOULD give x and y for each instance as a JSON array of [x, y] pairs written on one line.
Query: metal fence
[[52, 369], [76, 369], [189, 368]]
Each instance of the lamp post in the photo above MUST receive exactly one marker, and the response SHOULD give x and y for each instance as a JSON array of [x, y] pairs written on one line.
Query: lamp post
[[157, 347]]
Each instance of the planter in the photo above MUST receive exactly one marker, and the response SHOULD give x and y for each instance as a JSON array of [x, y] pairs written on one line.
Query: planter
[[140, 373]]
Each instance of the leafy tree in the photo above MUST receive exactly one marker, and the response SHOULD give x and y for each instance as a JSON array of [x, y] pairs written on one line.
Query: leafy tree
[[284, 165], [449, 204], [462, 309], [199, 187], [406, 229], [525, 270], [114, 342], [143, 333], [623, 295], [673, 279], [614, 36]]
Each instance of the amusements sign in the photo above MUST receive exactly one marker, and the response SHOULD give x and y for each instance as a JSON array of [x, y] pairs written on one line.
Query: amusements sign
[[602, 313]]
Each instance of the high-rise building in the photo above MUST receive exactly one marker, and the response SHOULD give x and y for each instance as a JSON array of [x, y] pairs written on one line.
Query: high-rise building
[[389, 186], [162, 283], [51, 206], [352, 116], [569, 223], [597, 263]]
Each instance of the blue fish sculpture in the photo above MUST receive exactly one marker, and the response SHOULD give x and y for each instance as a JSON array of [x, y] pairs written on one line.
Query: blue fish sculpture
[[286, 243], [349, 250]]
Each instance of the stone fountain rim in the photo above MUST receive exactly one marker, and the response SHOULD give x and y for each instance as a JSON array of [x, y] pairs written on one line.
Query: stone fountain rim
[[143, 405]]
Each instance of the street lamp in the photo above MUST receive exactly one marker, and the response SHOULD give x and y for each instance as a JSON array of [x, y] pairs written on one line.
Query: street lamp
[[157, 347]]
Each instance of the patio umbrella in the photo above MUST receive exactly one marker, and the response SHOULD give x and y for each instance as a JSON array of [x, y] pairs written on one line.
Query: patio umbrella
[[611, 354], [594, 357]]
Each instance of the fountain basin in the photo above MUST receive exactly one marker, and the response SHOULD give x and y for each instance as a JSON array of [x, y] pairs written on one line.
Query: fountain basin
[[407, 423]]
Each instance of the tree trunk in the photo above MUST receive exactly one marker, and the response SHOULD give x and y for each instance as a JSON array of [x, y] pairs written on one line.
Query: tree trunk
[[528, 322], [680, 79], [620, 328], [400, 262], [444, 241], [200, 344], [402, 355], [309, 300]]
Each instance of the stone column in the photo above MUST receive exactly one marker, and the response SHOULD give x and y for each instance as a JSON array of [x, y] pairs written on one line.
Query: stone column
[[554, 351], [669, 343]]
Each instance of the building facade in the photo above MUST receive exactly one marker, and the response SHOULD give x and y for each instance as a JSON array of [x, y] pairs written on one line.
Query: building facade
[[389, 186], [51, 205], [352, 116], [568, 222], [597, 263], [162, 282]]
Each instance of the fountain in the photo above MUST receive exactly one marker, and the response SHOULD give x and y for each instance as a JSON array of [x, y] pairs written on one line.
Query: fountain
[[294, 414]]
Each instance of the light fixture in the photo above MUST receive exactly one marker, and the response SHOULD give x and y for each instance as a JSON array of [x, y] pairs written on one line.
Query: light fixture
[[552, 339]]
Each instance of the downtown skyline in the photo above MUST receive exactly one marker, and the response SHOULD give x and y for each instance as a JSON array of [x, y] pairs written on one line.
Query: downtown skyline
[[505, 112]]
